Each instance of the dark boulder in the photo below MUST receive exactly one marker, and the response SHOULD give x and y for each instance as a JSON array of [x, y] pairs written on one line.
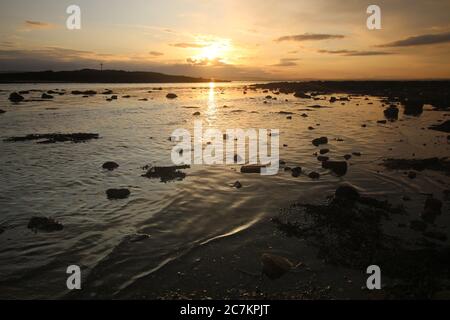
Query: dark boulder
[[44, 224], [314, 175], [171, 96], [319, 141], [15, 97], [110, 165], [117, 193], [391, 113], [413, 107], [337, 167], [296, 172]]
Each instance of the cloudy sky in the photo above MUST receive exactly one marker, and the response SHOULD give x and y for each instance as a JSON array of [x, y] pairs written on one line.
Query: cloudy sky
[[231, 39]]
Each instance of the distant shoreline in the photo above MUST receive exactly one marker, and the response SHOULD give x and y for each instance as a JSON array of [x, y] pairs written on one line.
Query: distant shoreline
[[97, 76]]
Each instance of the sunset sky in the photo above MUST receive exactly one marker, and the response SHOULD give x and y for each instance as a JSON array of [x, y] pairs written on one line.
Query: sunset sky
[[231, 39]]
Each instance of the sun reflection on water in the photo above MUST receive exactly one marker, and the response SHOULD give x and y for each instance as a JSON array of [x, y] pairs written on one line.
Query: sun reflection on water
[[211, 112]]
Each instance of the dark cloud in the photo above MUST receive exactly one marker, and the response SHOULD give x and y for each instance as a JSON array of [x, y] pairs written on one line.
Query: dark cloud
[[187, 45], [286, 62], [309, 37], [156, 53], [38, 24], [421, 40], [355, 53]]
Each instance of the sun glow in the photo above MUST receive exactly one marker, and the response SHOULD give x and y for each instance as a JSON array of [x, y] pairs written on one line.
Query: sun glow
[[214, 51]]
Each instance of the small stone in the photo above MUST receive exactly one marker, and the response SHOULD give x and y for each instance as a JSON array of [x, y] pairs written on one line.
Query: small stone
[[110, 165], [318, 141], [117, 193]]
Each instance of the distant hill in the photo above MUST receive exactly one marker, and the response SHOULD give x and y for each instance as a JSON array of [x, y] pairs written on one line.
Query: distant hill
[[96, 76]]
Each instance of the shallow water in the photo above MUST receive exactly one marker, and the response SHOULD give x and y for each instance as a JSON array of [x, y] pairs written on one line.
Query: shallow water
[[65, 181]]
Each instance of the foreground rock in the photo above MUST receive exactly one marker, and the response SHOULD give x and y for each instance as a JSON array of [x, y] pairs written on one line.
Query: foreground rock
[[351, 234], [166, 174], [436, 164], [44, 224], [114, 194], [15, 97], [337, 167], [444, 127], [274, 266], [2, 111], [55, 137], [171, 96], [110, 165]]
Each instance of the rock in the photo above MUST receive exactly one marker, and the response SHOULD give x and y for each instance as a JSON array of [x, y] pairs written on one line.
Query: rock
[[114, 97], [15, 97], [338, 167], [289, 117], [391, 113], [347, 156], [117, 193], [252, 168], [301, 95], [2, 111], [237, 185], [324, 151], [84, 93], [44, 224], [55, 137], [323, 158], [275, 267], [304, 115], [296, 172], [166, 174], [357, 154], [318, 141], [347, 192], [333, 99], [444, 127], [107, 92], [171, 96], [46, 96], [110, 165], [382, 121], [413, 107], [268, 97], [314, 175], [196, 113]]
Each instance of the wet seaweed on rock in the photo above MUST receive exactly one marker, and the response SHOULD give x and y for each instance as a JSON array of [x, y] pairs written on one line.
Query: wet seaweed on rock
[[55, 137], [435, 164], [165, 174], [348, 231]]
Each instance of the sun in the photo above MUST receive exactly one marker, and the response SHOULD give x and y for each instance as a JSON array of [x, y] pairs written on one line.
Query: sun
[[216, 50]]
